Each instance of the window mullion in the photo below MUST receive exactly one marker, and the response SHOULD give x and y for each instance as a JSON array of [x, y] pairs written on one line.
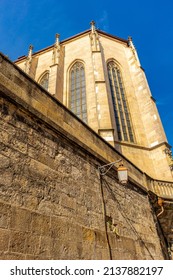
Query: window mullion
[[121, 112], [114, 97], [127, 115], [80, 80], [78, 91], [117, 92], [123, 117]]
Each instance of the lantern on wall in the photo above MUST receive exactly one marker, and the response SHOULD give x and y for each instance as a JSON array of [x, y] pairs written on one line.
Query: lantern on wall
[[122, 171]]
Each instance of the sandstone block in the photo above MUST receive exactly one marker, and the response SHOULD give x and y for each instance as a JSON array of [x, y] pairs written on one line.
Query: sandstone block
[[40, 224], [20, 220], [4, 239], [5, 211], [17, 242]]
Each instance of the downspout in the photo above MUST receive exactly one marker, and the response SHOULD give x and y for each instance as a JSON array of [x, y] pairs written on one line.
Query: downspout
[[160, 203]]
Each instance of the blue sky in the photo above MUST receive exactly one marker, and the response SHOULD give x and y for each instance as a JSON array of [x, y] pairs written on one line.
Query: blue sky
[[149, 22]]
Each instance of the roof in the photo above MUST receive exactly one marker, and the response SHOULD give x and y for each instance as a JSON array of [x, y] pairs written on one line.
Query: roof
[[72, 38]]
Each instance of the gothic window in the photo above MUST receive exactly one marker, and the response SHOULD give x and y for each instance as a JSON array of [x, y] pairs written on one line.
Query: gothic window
[[44, 80], [121, 112], [77, 94]]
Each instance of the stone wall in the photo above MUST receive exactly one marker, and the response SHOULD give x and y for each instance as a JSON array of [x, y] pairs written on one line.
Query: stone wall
[[53, 204]]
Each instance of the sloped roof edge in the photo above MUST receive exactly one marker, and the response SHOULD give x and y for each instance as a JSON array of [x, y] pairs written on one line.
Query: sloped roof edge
[[73, 37]]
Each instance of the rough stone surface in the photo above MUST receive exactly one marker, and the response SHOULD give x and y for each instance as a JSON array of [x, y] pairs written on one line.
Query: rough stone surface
[[51, 202]]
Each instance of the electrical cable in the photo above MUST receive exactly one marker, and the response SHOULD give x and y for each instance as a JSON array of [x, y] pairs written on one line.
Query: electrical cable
[[126, 218]]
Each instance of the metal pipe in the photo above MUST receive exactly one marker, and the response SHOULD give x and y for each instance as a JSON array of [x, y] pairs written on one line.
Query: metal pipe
[[160, 202], [162, 210], [167, 201]]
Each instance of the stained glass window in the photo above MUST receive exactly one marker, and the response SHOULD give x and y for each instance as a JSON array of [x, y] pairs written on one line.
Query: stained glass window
[[77, 97], [121, 112], [44, 81]]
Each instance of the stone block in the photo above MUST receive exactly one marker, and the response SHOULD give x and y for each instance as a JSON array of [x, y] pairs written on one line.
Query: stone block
[[58, 248], [129, 244], [4, 239], [4, 162], [17, 242], [101, 240], [5, 211], [12, 256], [68, 202], [40, 224], [20, 220], [67, 250], [4, 136], [58, 227], [63, 229], [101, 254], [6, 178], [88, 235], [19, 145], [32, 244], [44, 250]]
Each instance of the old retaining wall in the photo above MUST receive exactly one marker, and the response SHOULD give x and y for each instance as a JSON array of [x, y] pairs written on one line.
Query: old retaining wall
[[53, 204]]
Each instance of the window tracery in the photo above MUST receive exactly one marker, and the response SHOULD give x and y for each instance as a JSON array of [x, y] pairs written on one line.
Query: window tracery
[[77, 94], [44, 81], [121, 112]]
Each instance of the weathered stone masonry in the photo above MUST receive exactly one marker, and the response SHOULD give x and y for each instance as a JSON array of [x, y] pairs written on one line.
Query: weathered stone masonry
[[51, 200]]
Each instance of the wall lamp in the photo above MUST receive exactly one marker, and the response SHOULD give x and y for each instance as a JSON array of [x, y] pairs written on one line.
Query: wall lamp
[[122, 171]]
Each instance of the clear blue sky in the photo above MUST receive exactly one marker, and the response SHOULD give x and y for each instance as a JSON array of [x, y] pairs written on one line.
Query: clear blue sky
[[149, 22]]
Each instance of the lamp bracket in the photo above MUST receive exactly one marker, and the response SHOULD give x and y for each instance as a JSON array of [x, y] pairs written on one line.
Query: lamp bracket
[[105, 168]]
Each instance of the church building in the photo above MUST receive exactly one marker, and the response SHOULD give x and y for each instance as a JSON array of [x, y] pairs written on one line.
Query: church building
[[74, 117], [99, 77]]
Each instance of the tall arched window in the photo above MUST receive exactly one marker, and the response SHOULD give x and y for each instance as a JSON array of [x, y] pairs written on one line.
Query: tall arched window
[[121, 112], [77, 94], [44, 80]]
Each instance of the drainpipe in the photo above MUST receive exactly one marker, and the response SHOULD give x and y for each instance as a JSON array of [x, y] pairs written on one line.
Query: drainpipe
[[160, 203]]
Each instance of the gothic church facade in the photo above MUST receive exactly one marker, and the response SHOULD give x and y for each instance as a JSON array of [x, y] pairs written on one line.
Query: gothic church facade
[[99, 78]]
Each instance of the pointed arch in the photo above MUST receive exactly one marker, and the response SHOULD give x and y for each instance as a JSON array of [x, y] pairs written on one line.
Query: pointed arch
[[121, 111], [44, 80], [77, 90]]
